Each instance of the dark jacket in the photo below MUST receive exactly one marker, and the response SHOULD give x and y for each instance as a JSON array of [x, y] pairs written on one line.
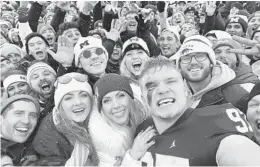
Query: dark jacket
[[34, 15], [16, 150], [237, 90], [52, 146], [214, 22]]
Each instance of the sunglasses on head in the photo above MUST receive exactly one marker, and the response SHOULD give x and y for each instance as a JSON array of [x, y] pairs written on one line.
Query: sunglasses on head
[[87, 53], [65, 79]]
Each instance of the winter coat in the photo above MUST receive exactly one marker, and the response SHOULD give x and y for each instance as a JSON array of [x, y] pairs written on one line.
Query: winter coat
[[110, 140], [214, 22], [236, 92], [212, 93], [53, 147], [16, 150], [34, 15]]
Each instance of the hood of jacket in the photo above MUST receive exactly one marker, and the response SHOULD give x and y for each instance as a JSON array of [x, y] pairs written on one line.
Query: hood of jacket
[[221, 74], [244, 74]]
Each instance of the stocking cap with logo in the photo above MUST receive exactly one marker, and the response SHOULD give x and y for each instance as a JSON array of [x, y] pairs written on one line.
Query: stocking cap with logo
[[85, 43]]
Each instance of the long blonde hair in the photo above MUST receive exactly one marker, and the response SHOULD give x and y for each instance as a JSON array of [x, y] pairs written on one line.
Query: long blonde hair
[[73, 131]]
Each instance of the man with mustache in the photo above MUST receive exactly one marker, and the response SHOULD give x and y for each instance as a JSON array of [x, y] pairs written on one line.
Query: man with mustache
[[41, 78]]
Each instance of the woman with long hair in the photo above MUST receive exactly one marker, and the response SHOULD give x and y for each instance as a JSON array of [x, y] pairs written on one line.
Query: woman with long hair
[[113, 124], [63, 138]]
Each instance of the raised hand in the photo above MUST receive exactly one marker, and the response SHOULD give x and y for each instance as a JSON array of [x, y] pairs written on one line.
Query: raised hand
[[86, 6], [64, 53], [141, 143], [210, 8], [64, 5], [113, 34]]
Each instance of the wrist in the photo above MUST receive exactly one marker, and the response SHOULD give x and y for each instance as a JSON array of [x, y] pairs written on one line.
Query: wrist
[[133, 155]]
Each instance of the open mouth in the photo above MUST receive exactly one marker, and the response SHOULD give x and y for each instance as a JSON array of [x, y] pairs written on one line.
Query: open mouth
[[98, 63], [46, 87], [166, 101], [80, 110], [137, 65], [132, 24], [257, 122], [194, 69], [49, 39], [119, 113], [39, 53], [22, 130], [166, 48]]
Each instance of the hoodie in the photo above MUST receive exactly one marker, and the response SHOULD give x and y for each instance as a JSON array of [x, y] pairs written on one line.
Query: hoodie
[[211, 94], [237, 90]]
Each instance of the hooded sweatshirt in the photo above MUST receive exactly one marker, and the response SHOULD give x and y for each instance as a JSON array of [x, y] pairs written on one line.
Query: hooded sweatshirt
[[237, 91], [211, 94]]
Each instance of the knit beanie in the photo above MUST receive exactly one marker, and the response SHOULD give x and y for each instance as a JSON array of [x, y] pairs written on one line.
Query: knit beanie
[[218, 34], [30, 36], [11, 32], [229, 42], [36, 66], [8, 48], [256, 14], [85, 43], [238, 19], [237, 5], [195, 47], [14, 76], [190, 8], [243, 13], [254, 33], [255, 91], [199, 38], [111, 82], [63, 88], [128, 45], [42, 27], [15, 98]]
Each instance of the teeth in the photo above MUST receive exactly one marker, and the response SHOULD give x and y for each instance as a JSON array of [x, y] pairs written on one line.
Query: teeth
[[195, 70], [22, 129], [258, 124], [137, 63], [166, 101], [78, 110], [119, 113], [96, 64]]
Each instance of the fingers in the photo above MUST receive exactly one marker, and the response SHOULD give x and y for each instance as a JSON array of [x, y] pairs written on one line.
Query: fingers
[[50, 52], [242, 40], [252, 51]]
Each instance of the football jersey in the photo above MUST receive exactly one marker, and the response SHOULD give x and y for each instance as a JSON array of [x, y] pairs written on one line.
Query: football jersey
[[194, 139]]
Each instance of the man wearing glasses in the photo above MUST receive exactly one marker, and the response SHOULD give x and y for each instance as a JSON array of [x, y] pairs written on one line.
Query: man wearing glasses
[[205, 77]]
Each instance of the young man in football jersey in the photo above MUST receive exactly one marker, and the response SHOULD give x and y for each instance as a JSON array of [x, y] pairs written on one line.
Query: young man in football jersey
[[191, 137]]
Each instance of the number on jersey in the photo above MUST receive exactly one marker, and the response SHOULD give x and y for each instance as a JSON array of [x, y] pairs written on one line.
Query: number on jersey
[[239, 117]]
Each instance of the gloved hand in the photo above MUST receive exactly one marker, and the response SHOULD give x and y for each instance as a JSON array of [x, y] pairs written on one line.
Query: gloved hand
[[160, 6], [142, 25]]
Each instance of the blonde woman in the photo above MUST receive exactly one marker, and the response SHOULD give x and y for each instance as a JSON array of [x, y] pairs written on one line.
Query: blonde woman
[[113, 124], [62, 138]]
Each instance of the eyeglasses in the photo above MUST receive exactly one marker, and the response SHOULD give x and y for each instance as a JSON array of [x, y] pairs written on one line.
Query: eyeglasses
[[65, 79], [198, 57], [87, 53]]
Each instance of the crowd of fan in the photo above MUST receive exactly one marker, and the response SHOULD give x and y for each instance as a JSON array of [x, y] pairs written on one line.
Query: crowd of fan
[[130, 83]]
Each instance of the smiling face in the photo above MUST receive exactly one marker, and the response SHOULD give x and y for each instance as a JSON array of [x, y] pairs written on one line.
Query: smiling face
[[233, 11], [49, 35], [37, 48], [257, 37], [42, 81], [131, 23], [12, 54], [163, 92], [235, 29], [73, 34], [167, 43], [96, 63], [76, 105], [115, 106], [134, 61], [196, 71], [253, 115], [18, 88], [254, 23], [19, 121], [224, 55], [178, 19], [117, 53]]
